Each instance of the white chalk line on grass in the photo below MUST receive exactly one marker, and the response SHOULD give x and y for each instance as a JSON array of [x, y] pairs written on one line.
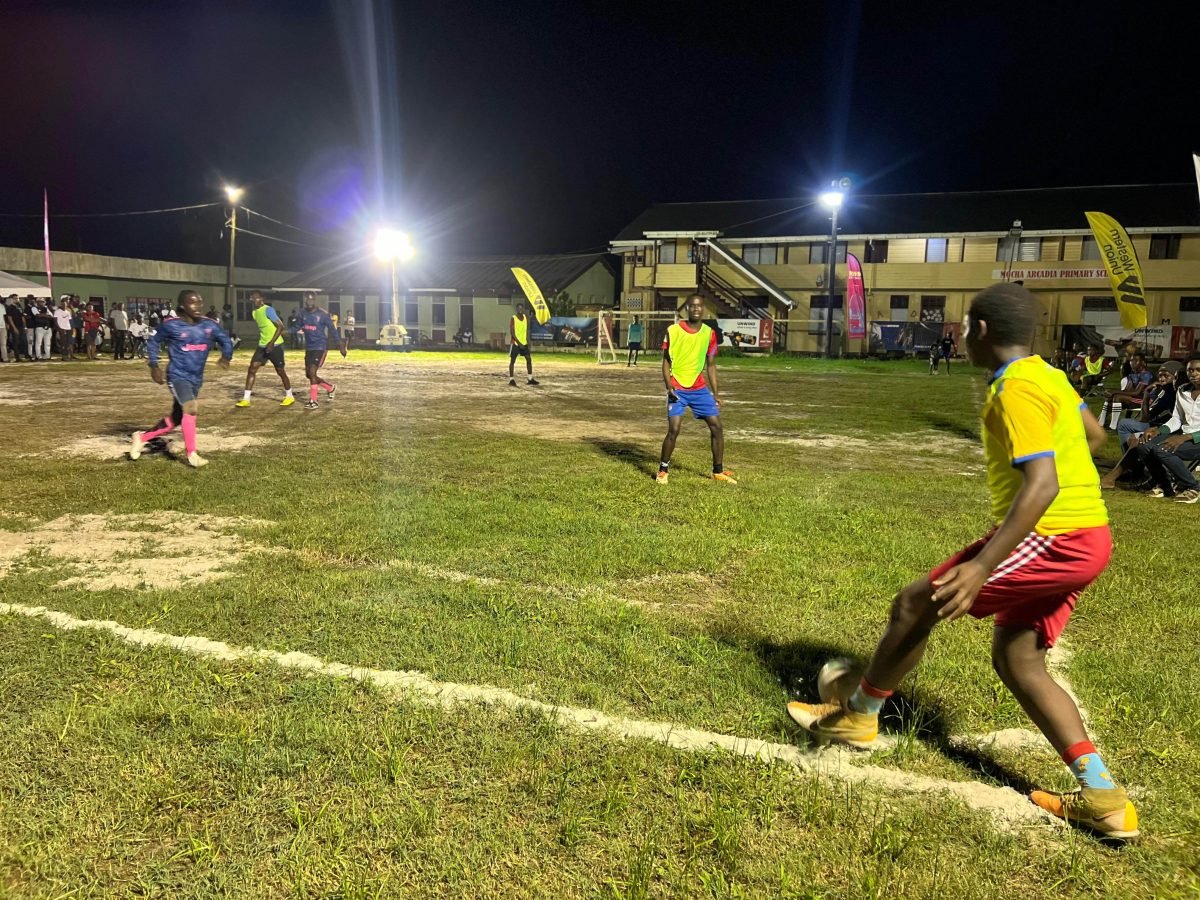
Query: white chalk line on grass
[[1005, 805]]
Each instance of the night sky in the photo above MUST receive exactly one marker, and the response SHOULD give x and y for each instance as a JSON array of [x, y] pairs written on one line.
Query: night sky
[[525, 127]]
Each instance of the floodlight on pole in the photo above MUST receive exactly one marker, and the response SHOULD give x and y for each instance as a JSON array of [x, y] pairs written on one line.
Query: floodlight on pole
[[394, 247], [832, 200], [233, 194]]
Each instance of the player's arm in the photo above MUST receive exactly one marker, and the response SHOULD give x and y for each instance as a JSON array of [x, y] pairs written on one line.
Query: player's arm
[[336, 339], [666, 371], [274, 318], [226, 346], [1097, 437], [512, 329], [153, 349], [710, 375]]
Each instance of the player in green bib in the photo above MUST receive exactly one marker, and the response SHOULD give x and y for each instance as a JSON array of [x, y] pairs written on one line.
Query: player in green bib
[[270, 348], [518, 333], [690, 375]]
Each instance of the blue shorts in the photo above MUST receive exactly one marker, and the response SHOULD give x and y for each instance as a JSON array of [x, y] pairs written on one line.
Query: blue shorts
[[183, 391], [700, 401]]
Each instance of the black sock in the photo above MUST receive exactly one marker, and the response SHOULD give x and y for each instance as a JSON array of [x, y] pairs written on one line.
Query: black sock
[[718, 468], [663, 466]]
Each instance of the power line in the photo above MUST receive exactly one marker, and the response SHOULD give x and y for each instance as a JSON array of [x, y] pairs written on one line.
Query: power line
[[277, 222], [281, 240], [136, 212]]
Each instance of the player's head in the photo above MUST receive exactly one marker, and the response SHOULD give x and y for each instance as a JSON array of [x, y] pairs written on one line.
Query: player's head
[[1095, 350], [1001, 317], [1138, 361], [310, 301], [520, 309], [256, 297], [693, 308], [190, 304]]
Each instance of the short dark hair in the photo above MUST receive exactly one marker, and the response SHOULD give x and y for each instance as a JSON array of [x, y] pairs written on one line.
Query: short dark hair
[[184, 294], [1010, 311]]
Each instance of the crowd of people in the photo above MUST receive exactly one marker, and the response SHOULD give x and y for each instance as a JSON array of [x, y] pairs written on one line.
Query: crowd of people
[[35, 329]]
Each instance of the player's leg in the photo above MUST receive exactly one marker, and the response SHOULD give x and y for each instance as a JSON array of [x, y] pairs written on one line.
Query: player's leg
[[1019, 658], [162, 427], [321, 382], [310, 371], [191, 408], [281, 370], [512, 362], [674, 420], [856, 722], [716, 439], [529, 365], [251, 375]]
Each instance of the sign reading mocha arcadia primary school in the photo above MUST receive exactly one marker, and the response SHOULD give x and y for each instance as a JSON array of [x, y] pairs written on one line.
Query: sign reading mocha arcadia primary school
[[1049, 274]]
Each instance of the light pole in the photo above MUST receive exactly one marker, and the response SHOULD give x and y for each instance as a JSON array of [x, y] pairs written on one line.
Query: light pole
[[234, 194], [832, 200], [394, 247]]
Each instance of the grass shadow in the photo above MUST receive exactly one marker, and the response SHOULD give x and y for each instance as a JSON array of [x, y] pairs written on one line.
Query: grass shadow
[[636, 455], [949, 426]]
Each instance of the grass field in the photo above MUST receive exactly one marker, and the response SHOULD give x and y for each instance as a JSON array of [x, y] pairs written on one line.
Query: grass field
[[434, 520]]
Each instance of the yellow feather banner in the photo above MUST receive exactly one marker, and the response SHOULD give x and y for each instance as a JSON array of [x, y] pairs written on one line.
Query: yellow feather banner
[[1124, 273], [541, 311]]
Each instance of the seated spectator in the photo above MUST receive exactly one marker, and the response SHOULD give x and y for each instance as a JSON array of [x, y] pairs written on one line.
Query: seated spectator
[[139, 333], [1169, 448], [1133, 388], [1090, 370], [1158, 403]]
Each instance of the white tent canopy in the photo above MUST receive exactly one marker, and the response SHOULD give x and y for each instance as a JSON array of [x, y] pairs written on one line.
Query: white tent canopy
[[11, 284]]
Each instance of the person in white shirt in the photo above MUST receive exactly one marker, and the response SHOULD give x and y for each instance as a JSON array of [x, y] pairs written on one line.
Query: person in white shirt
[[1168, 449], [62, 323], [119, 320], [139, 333], [348, 325]]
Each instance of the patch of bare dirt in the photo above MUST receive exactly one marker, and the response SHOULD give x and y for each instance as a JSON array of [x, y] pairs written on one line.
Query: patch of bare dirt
[[107, 446], [159, 550]]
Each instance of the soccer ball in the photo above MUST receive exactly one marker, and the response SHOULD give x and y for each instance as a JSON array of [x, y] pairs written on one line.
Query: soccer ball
[[838, 679]]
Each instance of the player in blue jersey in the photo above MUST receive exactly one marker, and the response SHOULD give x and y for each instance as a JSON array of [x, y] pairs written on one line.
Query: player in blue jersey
[[319, 331], [188, 337]]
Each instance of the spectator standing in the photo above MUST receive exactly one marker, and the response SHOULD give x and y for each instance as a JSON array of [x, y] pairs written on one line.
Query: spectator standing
[[119, 320], [91, 331], [43, 329], [27, 316], [227, 321], [293, 327], [4, 332], [76, 325], [62, 320], [634, 342], [348, 328]]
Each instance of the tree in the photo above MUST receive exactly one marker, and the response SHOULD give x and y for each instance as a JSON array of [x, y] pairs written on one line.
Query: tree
[[561, 304]]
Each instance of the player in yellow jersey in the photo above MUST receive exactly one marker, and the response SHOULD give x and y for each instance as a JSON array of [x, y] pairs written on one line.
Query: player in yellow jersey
[[518, 333], [690, 376], [1051, 542], [270, 349]]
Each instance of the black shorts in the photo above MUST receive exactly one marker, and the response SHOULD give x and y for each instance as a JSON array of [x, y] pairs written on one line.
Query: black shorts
[[274, 356], [517, 350], [315, 358], [635, 345]]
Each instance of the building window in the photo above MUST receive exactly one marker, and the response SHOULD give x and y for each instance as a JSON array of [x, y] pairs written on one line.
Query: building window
[[385, 311], [1164, 246], [335, 308], [876, 252], [817, 253], [360, 309], [1189, 311], [439, 312], [410, 312], [899, 308], [666, 253], [466, 314], [760, 254], [818, 312], [1019, 249], [1100, 311], [933, 309], [1090, 249], [935, 249]]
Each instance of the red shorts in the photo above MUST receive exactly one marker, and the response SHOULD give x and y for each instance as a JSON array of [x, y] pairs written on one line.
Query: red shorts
[[1037, 585]]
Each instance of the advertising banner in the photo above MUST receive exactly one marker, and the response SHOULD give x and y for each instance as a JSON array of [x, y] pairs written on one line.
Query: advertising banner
[[746, 334], [1155, 341], [856, 299], [1124, 273], [566, 331], [902, 338]]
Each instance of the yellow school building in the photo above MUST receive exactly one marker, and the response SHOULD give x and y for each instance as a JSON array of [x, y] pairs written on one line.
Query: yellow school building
[[923, 256]]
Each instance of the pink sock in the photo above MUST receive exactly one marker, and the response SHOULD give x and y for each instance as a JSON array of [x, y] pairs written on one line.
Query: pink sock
[[312, 393], [165, 426], [189, 433], [325, 384]]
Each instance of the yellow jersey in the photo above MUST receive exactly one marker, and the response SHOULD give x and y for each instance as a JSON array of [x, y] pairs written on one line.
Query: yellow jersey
[[1032, 411]]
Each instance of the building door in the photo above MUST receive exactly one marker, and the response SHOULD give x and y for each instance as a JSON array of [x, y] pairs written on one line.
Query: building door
[[466, 316]]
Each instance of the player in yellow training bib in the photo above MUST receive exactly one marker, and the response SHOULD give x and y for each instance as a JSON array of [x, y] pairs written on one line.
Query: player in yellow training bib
[[690, 375], [518, 334], [1051, 540]]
